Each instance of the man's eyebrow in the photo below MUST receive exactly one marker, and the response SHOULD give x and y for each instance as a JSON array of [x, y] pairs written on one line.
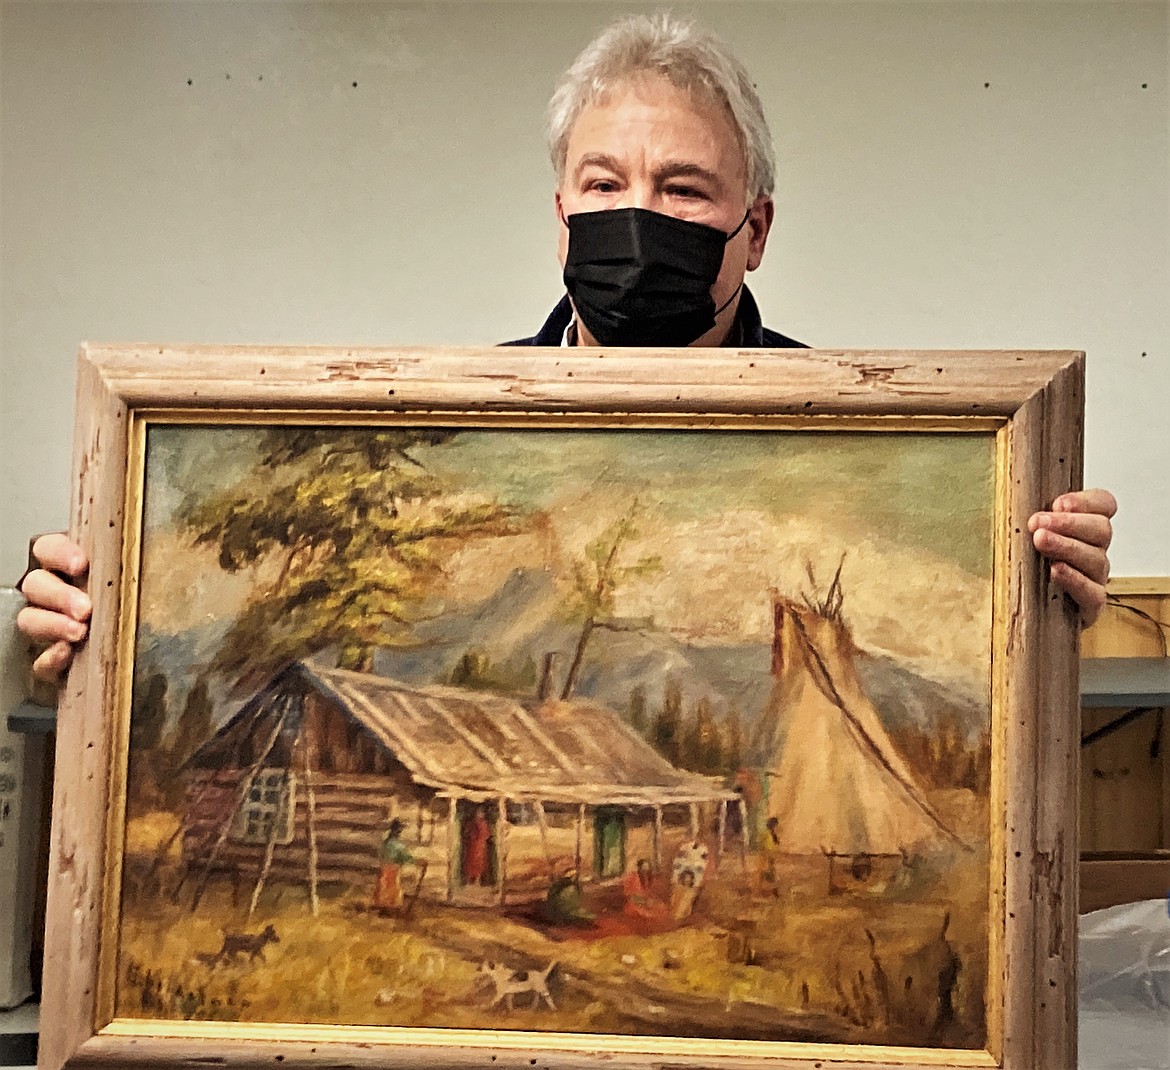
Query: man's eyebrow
[[597, 159], [683, 169]]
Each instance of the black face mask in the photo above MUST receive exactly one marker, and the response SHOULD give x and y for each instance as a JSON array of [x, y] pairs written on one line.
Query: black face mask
[[640, 278]]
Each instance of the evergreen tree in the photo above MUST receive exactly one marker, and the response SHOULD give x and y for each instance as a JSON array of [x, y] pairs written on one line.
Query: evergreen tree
[[148, 715], [709, 740], [667, 727], [734, 753], [194, 725], [637, 715]]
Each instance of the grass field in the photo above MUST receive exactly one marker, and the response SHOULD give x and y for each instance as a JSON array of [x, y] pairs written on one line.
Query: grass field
[[899, 958]]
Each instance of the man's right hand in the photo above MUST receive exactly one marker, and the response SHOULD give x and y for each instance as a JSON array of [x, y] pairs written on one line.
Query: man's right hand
[[57, 614]]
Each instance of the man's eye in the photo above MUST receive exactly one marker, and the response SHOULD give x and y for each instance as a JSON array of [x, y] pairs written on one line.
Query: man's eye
[[603, 185], [689, 192]]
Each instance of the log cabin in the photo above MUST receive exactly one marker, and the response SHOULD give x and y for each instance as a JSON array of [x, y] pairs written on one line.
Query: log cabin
[[301, 783]]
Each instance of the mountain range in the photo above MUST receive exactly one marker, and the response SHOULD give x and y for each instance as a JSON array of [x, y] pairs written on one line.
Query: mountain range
[[507, 635]]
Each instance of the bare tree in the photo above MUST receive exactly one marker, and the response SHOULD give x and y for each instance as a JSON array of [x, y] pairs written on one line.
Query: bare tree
[[596, 578]]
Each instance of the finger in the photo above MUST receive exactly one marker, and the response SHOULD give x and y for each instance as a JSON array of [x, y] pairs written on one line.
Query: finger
[[1089, 596], [59, 553], [1093, 500], [53, 662], [1090, 560], [45, 626], [44, 590], [1092, 528]]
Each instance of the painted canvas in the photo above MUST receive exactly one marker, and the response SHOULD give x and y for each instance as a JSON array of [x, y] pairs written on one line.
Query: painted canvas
[[657, 731]]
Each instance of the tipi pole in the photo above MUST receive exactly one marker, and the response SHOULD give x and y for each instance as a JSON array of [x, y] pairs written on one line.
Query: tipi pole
[[207, 785], [269, 847], [241, 797], [164, 850], [310, 812]]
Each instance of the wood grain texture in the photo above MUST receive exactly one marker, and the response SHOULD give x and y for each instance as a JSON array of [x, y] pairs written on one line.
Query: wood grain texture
[[111, 1051], [85, 731], [886, 382], [1039, 394], [1125, 777], [1042, 745], [1106, 882]]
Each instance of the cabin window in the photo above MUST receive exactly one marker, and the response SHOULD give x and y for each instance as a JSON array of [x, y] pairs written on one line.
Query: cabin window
[[267, 812]]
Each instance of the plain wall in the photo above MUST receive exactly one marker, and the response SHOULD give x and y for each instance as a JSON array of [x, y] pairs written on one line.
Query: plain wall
[[951, 175]]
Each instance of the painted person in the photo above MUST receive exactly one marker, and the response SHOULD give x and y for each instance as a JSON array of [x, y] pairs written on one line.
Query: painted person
[[564, 904], [477, 834], [638, 892], [664, 178], [687, 873], [394, 855]]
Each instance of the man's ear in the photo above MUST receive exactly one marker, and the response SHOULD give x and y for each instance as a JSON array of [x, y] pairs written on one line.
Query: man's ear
[[760, 217]]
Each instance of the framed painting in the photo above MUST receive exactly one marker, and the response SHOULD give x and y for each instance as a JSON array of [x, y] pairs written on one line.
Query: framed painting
[[546, 708]]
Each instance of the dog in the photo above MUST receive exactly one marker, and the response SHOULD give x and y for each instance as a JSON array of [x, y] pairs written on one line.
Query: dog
[[249, 945], [511, 983]]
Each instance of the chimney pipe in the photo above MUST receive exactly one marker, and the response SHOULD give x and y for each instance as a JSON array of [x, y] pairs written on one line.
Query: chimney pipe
[[546, 671]]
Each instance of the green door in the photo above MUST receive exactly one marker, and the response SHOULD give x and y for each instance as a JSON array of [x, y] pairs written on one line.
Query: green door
[[609, 842]]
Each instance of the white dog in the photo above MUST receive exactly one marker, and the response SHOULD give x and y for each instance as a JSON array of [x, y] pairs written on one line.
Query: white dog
[[511, 983]]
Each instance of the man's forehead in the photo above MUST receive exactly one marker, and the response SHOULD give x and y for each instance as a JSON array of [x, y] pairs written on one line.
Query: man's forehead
[[654, 119]]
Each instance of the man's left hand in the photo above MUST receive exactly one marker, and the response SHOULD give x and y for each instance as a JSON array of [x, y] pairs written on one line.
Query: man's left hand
[[1075, 537]]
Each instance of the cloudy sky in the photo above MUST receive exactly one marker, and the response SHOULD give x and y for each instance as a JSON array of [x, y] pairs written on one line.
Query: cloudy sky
[[731, 514]]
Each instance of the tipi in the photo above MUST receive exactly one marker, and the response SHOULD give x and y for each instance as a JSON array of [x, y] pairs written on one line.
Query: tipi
[[835, 782]]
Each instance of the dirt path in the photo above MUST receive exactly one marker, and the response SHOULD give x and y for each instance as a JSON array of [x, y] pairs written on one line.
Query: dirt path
[[646, 1009]]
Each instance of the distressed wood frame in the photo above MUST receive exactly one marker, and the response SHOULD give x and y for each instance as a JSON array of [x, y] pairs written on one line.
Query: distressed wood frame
[[1035, 399]]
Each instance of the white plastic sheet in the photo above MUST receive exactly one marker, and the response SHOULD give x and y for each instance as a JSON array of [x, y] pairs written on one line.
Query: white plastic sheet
[[1125, 987], [20, 786]]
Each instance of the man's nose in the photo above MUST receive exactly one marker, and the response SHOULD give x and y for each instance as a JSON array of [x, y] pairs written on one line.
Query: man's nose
[[642, 195]]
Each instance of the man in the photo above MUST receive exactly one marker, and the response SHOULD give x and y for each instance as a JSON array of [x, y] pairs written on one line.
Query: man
[[665, 173]]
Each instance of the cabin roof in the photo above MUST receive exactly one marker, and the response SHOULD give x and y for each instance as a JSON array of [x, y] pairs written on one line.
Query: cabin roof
[[475, 743]]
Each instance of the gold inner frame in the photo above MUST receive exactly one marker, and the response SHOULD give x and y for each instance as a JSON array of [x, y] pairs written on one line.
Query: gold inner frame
[[106, 1024]]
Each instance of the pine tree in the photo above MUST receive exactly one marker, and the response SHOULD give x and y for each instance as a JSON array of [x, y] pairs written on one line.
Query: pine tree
[[637, 711], [667, 727], [734, 755], [709, 753]]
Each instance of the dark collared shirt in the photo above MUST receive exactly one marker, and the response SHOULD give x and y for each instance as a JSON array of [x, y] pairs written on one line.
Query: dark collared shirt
[[748, 331]]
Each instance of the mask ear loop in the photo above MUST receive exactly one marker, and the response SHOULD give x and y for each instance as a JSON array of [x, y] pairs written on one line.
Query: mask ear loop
[[741, 223], [735, 294], [719, 311]]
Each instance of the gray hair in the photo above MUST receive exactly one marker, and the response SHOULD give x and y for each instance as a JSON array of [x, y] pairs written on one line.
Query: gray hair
[[691, 58]]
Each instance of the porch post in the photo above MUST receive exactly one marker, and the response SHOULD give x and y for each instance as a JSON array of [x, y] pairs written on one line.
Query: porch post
[[580, 839], [657, 843], [501, 846], [452, 847]]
